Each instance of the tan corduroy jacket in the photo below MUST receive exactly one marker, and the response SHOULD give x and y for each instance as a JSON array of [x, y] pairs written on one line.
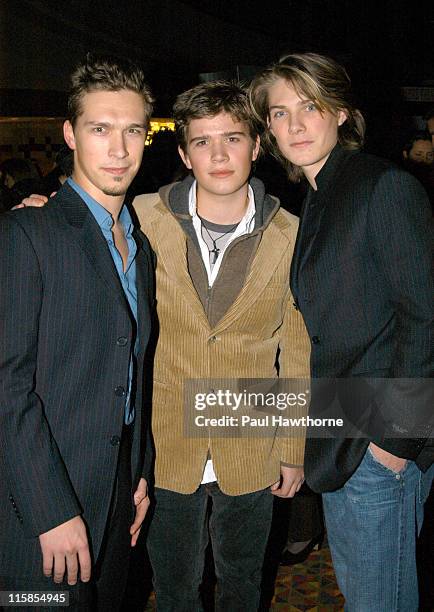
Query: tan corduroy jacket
[[243, 344]]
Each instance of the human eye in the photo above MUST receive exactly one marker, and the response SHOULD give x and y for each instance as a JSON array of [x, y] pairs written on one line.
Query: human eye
[[278, 114], [310, 106], [233, 139], [136, 129], [201, 143], [98, 129]]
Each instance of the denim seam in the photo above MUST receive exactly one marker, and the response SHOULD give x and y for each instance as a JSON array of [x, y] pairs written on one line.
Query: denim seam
[[400, 546]]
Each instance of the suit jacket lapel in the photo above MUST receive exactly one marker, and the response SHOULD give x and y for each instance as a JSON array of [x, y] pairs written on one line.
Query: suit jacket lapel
[[295, 263], [144, 284], [310, 227], [91, 240], [312, 214]]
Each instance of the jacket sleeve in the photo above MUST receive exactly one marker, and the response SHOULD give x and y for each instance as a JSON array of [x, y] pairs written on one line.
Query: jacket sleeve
[[401, 241], [35, 476]]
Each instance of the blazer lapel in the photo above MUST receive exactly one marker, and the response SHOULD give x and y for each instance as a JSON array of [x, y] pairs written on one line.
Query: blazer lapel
[[314, 208], [143, 267], [172, 255], [268, 256], [311, 224], [295, 263], [91, 240]]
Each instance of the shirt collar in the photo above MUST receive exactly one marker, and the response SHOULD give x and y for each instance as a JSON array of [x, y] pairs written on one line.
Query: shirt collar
[[333, 162], [245, 221], [101, 215]]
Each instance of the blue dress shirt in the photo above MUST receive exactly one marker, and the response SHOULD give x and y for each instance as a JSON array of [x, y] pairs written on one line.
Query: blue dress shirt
[[127, 278]]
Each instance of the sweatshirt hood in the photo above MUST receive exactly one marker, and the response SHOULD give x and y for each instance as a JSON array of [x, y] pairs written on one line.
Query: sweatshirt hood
[[176, 197]]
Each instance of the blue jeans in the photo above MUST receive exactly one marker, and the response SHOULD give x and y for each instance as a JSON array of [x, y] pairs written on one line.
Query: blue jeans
[[372, 523], [178, 536]]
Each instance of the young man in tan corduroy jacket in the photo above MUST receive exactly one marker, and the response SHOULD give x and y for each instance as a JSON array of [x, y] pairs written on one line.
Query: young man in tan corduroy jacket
[[225, 310]]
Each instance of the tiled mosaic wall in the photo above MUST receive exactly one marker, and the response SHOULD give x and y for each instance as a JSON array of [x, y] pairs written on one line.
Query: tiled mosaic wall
[[36, 138]]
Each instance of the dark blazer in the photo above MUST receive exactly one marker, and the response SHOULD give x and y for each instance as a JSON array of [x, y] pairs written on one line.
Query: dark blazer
[[66, 332], [362, 278]]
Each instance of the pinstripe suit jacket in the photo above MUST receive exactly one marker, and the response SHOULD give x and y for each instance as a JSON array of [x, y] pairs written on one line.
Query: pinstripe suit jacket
[[362, 278], [65, 338]]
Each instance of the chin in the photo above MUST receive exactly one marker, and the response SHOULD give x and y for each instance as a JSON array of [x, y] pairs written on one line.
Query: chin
[[114, 191]]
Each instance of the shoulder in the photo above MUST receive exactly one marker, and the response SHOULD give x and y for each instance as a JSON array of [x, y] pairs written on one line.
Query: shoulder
[[366, 167], [145, 206], [363, 178], [286, 222], [30, 221]]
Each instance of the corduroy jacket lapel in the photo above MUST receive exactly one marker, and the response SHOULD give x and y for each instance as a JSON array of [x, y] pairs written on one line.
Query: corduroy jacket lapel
[[172, 255], [271, 249]]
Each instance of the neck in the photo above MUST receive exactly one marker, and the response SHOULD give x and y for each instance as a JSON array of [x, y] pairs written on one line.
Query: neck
[[114, 210], [112, 204], [311, 180], [222, 209]]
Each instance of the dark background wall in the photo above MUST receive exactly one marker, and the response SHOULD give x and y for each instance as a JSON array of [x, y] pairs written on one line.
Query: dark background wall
[[385, 44]]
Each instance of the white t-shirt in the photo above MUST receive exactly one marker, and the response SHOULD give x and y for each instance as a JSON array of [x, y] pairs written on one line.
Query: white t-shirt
[[245, 226]]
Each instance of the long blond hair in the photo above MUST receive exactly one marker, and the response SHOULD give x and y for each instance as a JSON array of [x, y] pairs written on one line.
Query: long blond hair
[[321, 80]]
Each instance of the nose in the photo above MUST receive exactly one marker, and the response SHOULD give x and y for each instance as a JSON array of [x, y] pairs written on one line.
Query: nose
[[295, 124], [118, 146], [218, 151]]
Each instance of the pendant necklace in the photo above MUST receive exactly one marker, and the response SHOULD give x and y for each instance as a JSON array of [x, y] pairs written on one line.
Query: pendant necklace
[[215, 251]]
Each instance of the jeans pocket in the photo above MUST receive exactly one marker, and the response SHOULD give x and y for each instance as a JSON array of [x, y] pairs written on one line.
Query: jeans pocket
[[376, 464]]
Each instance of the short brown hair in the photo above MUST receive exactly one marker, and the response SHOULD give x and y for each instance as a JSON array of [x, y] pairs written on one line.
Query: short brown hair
[[106, 74], [321, 80], [208, 100]]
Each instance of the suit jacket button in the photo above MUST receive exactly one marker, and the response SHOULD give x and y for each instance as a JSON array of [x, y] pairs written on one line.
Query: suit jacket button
[[115, 440], [120, 391], [121, 341], [315, 340]]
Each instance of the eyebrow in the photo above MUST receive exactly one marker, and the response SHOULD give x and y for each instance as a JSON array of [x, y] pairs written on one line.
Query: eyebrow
[[299, 103], [222, 134], [108, 124]]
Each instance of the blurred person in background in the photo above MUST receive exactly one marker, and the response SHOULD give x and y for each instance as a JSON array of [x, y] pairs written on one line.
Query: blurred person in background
[[19, 179], [429, 119], [64, 166], [418, 159]]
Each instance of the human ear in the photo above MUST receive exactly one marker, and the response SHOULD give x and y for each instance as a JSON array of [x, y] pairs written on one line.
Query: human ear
[[342, 117], [184, 157], [256, 148], [68, 134]]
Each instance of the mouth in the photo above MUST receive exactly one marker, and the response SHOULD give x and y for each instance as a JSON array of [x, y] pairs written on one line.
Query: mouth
[[116, 171], [221, 173], [301, 144]]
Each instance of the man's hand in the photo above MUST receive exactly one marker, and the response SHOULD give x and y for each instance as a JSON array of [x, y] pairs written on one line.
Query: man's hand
[[290, 482], [34, 200], [141, 501], [394, 463], [65, 548]]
